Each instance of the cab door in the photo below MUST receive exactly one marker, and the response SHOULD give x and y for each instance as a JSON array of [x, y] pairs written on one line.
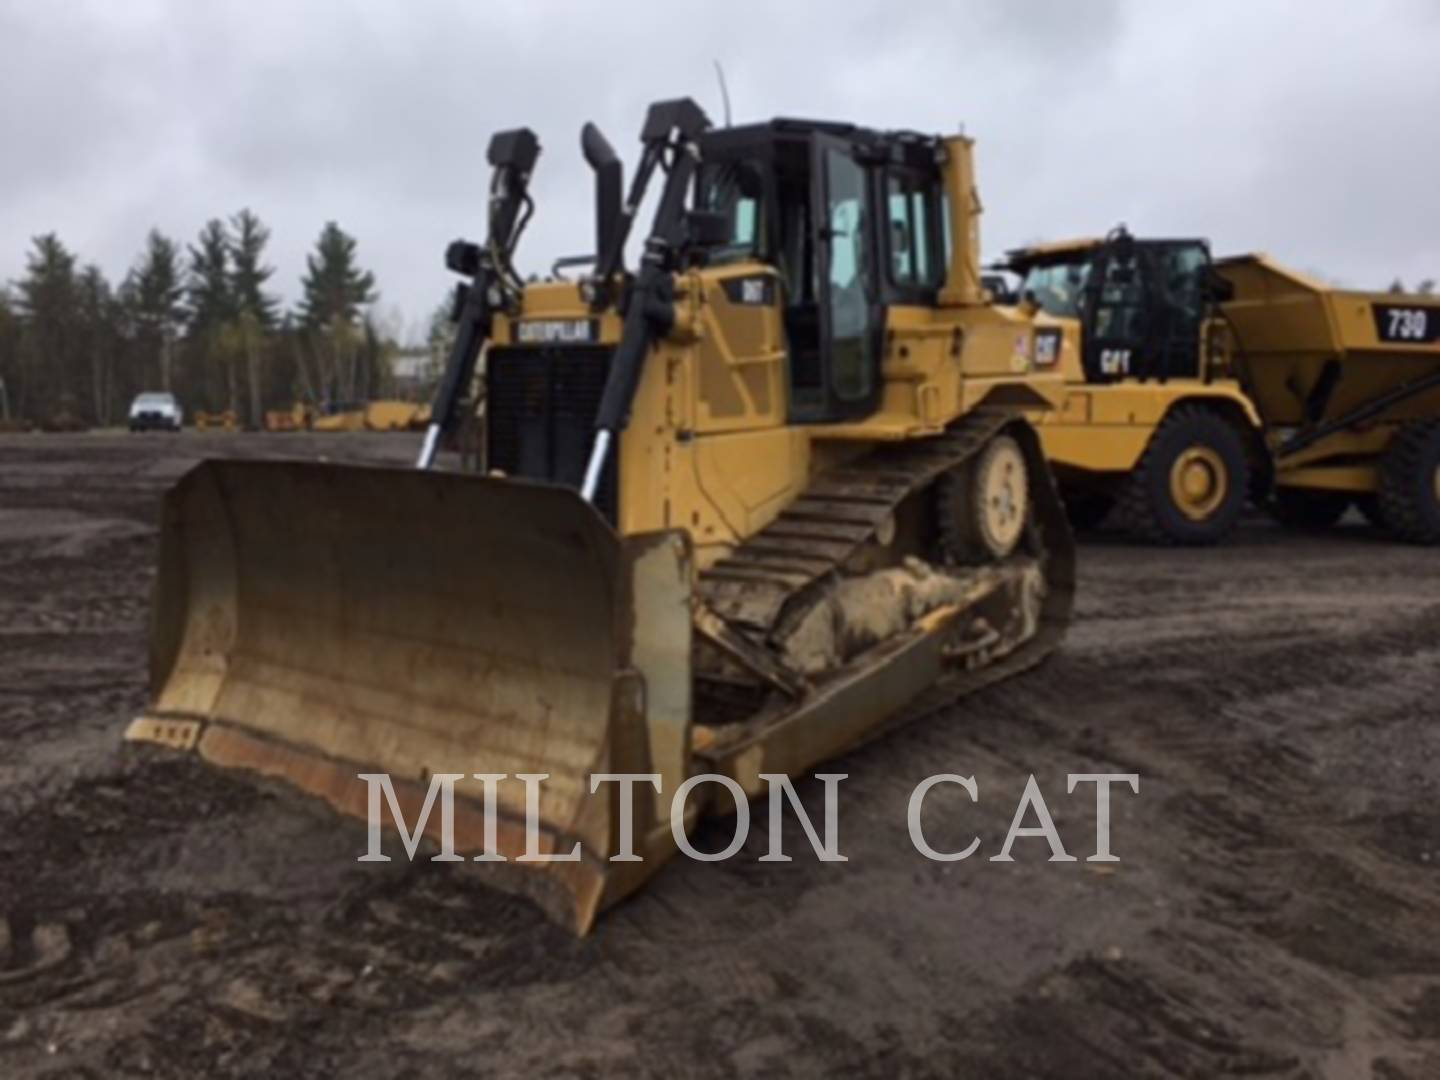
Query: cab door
[[1117, 314], [1144, 310], [851, 318]]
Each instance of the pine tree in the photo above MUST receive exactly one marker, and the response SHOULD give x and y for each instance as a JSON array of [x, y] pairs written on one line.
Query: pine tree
[[98, 329], [46, 302], [207, 286], [335, 288], [9, 353], [211, 316], [153, 293], [248, 273], [255, 308]]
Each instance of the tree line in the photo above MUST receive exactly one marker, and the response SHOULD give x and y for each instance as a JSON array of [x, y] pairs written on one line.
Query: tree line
[[199, 321]]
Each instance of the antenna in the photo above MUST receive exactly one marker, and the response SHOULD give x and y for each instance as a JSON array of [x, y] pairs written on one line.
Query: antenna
[[724, 92]]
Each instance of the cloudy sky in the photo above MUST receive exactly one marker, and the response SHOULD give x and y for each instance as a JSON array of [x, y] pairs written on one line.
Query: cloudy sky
[[1306, 129]]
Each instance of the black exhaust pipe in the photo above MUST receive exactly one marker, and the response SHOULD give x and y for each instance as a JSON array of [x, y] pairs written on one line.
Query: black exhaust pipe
[[609, 187]]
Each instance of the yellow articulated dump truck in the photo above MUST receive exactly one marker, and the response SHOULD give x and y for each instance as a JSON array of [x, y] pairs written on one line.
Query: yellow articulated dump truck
[[1196, 384], [749, 502]]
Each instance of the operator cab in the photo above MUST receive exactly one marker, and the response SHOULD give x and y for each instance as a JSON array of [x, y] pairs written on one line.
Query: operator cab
[[1142, 304], [852, 220]]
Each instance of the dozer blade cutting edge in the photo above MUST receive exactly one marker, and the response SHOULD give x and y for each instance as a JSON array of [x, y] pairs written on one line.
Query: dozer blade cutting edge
[[314, 622]]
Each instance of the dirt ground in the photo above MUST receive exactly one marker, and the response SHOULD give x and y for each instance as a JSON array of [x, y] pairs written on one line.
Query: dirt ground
[[1276, 910]]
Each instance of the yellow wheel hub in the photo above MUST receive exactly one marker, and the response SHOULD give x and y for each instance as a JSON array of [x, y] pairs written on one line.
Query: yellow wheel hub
[[1003, 490], [1199, 482]]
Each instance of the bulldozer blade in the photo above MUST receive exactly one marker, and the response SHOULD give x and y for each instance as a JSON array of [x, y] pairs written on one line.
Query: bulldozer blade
[[315, 622]]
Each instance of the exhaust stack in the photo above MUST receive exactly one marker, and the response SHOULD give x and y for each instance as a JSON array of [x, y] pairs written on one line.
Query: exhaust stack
[[609, 186]]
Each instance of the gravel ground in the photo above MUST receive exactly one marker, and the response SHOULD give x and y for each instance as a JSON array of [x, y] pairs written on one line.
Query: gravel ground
[[1274, 912]]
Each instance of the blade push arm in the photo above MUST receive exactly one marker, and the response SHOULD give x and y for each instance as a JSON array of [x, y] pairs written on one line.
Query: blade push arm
[[493, 281]]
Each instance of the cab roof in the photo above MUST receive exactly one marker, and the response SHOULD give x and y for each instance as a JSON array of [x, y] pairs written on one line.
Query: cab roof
[[1055, 251], [907, 147]]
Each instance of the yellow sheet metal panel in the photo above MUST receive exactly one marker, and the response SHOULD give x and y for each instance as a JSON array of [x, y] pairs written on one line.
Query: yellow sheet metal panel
[[739, 358], [1351, 444], [1114, 448], [1361, 479], [1124, 404], [740, 483], [1106, 428]]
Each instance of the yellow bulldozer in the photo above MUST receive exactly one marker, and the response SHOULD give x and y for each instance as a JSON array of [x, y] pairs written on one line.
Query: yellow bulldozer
[[746, 505], [1197, 383]]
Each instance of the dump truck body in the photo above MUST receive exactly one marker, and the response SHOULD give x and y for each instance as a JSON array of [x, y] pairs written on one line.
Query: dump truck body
[[1348, 386]]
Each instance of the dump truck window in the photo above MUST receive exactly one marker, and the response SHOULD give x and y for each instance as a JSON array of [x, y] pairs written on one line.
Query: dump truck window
[[1182, 268], [1058, 289], [851, 339]]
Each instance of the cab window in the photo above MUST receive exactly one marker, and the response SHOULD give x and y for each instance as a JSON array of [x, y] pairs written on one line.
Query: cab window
[[911, 206], [728, 190], [1059, 289], [852, 320]]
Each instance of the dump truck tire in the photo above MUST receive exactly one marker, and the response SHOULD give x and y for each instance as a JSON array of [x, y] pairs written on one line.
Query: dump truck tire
[[1409, 495], [1191, 482], [1302, 508]]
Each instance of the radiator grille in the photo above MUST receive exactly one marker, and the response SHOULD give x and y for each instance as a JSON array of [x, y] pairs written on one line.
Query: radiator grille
[[540, 415]]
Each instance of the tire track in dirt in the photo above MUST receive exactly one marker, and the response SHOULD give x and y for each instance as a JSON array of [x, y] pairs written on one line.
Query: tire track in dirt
[[1273, 914]]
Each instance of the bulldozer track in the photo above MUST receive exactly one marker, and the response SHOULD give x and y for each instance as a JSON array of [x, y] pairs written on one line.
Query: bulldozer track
[[784, 567], [830, 523]]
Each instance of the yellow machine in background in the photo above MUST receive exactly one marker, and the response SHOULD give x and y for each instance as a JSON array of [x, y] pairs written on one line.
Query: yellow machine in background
[[1348, 385], [749, 504], [383, 415], [396, 416], [296, 418], [1196, 384], [374, 416], [217, 421]]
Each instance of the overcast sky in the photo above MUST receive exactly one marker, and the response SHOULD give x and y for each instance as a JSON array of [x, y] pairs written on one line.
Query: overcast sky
[[1306, 129]]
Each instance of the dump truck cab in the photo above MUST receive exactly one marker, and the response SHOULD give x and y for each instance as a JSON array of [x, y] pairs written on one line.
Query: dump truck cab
[[1142, 304], [1155, 425]]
